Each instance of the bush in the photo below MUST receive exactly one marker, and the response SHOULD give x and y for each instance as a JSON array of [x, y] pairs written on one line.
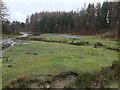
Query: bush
[[99, 78]]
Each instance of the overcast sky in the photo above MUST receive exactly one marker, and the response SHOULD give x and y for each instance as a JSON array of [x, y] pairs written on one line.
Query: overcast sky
[[19, 9]]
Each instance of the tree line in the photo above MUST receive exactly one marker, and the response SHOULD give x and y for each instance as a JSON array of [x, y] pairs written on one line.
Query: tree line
[[90, 20], [7, 26], [13, 27]]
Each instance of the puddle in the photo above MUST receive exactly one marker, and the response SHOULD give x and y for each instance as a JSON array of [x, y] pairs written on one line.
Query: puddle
[[25, 43], [73, 37], [23, 35], [66, 36]]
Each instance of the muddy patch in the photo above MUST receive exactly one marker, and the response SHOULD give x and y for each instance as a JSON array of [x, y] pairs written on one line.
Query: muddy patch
[[64, 79], [35, 85], [61, 83]]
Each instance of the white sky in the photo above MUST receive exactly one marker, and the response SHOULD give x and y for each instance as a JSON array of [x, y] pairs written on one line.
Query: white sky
[[19, 9]]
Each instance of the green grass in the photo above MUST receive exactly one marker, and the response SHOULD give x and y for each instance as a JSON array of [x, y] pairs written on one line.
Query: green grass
[[54, 58], [113, 85], [93, 39]]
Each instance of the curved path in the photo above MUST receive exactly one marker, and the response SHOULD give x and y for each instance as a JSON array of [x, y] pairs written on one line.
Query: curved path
[[10, 42]]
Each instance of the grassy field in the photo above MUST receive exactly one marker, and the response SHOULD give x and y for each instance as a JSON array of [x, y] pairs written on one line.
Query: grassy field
[[29, 58]]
